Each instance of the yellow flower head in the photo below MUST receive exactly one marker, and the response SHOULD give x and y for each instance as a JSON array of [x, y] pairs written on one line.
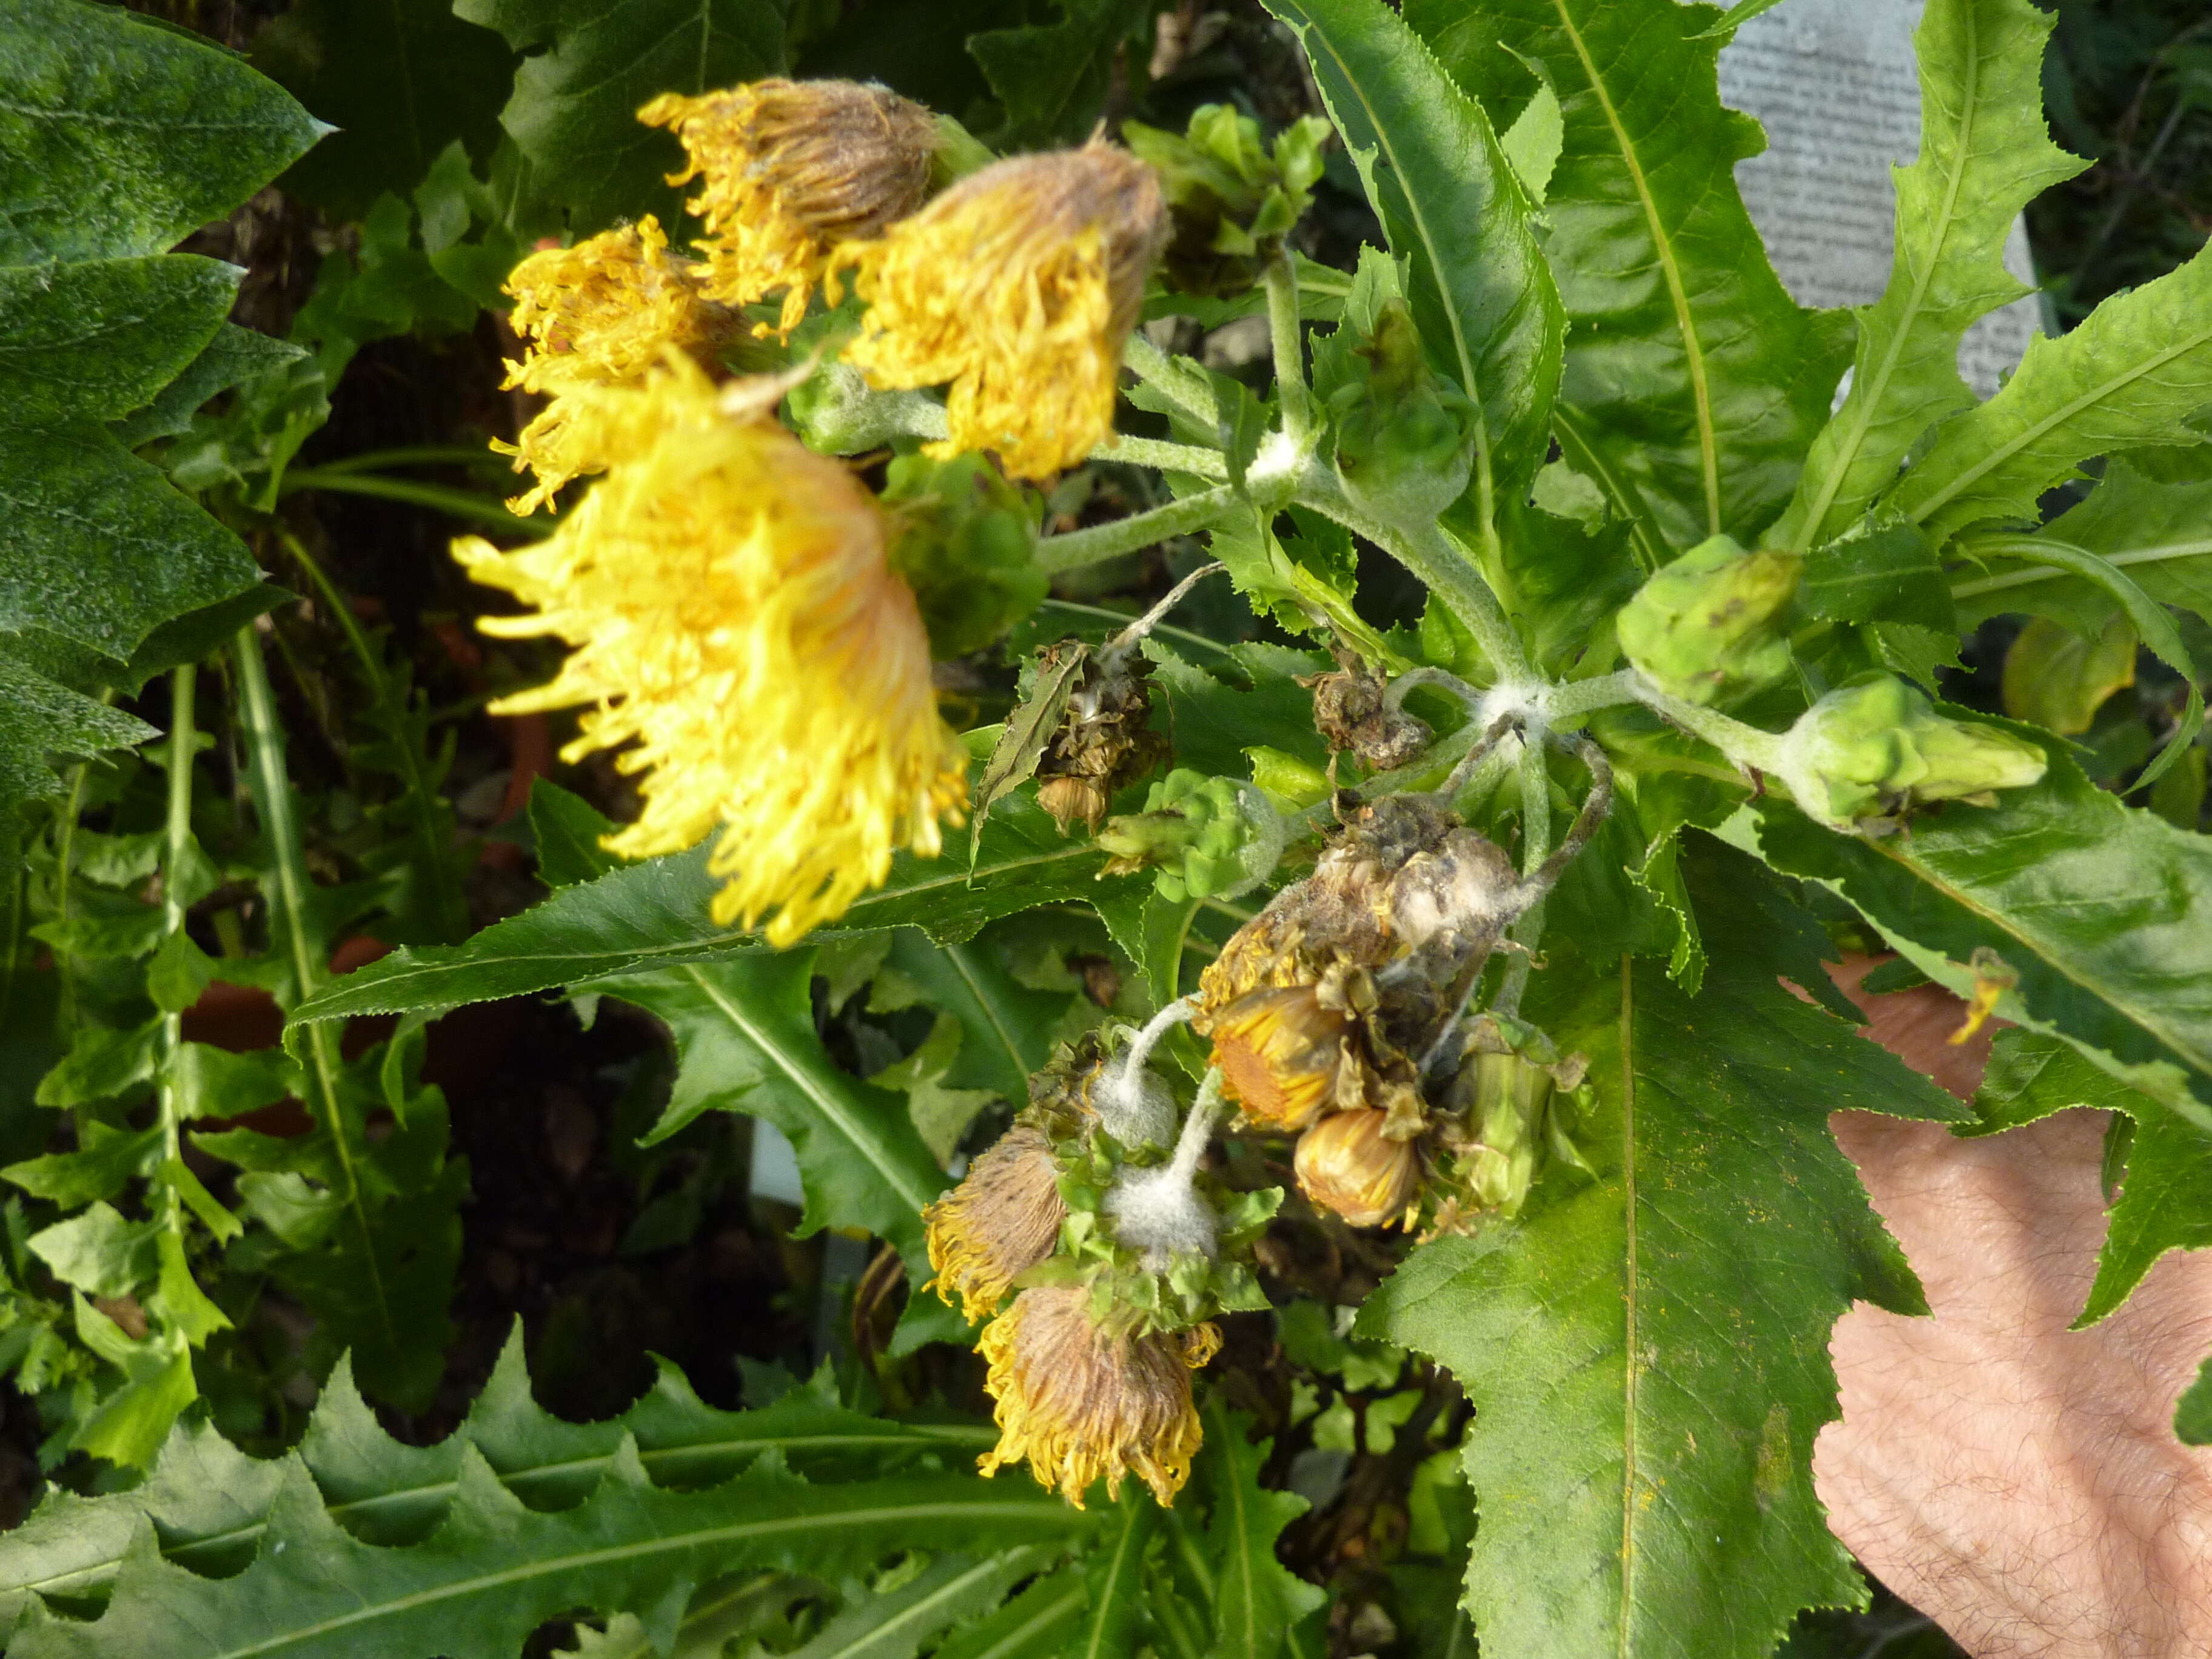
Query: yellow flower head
[[1083, 1404], [1001, 1220], [732, 618], [1348, 1162], [791, 168], [596, 315], [1015, 287], [1279, 1052]]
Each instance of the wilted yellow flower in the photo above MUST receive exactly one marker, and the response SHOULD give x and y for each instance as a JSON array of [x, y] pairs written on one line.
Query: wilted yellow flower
[[1001, 1220], [1083, 1403], [788, 170], [1347, 1163], [1017, 287], [732, 617], [1279, 1052], [596, 315]]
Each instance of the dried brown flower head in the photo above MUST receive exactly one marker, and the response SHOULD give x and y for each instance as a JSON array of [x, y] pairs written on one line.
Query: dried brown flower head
[[1002, 1219], [1083, 1402]]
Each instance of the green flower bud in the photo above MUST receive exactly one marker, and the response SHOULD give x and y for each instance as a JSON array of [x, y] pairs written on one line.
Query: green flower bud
[[1876, 747], [1206, 837], [1405, 436], [1515, 1097], [1709, 627], [966, 545], [1231, 199]]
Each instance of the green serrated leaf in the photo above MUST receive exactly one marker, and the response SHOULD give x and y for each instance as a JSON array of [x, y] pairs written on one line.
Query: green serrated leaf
[[654, 914], [1694, 383], [1890, 575], [2130, 374], [1038, 1623], [569, 831], [2165, 1202], [1647, 1353], [98, 1252], [494, 1570], [590, 67], [1453, 209], [231, 357], [1007, 1026], [399, 81], [952, 1590], [2159, 534], [1984, 154], [1257, 1598], [43, 718], [101, 339], [211, 1504], [1052, 78], [2101, 909], [119, 137], [745, 1041]]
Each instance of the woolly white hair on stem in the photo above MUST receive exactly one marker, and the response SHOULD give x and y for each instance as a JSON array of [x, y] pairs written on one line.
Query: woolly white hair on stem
[[1135, 1106], [1158, 1211]]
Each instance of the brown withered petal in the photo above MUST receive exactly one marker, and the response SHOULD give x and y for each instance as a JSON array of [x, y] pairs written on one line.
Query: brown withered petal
[[1353, 710], [1001, 1220], [789, 169], [1347, 1163], [1083, 1403]]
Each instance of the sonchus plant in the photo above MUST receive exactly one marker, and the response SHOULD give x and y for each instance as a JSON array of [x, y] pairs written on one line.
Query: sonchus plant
[[1467, 949]]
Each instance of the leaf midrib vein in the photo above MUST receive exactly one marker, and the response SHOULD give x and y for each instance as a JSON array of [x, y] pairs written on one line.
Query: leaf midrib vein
[[583, 1560], [1693, 349], [1968, 107], [2059, 416], [832, 1110]]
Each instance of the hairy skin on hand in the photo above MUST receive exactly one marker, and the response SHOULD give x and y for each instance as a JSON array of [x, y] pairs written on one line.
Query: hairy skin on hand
[[2019, 1482]]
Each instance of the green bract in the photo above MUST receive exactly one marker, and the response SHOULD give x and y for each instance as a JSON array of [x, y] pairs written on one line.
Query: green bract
[[965, 540], [1878, 747], [1709, 627]]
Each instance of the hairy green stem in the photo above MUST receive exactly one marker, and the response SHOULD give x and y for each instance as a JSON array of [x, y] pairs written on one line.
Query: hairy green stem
[[288, 856], [1081, 547], [1747, 746], [1576, 698], [1440, 563], [1535, 848], [1287, 336], [446, 902], [1167, 456], [379, 460], [457, 504], [1178, 380], [184, 740]]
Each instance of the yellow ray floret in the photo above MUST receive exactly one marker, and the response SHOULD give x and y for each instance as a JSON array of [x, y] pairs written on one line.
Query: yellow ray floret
[[736, 632], [789, 169], [1085, 1404], [1016, 289], [596, 315]]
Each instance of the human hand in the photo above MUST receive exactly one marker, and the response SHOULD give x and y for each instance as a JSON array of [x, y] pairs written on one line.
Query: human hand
[[2018, 1482]]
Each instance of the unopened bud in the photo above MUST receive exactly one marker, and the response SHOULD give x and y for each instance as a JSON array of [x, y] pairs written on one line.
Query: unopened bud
[[1231, 198], [1505, 1090], [1348, 1163], [1405, 437], [1709, 627], [1878, 747], [1208, 837]]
